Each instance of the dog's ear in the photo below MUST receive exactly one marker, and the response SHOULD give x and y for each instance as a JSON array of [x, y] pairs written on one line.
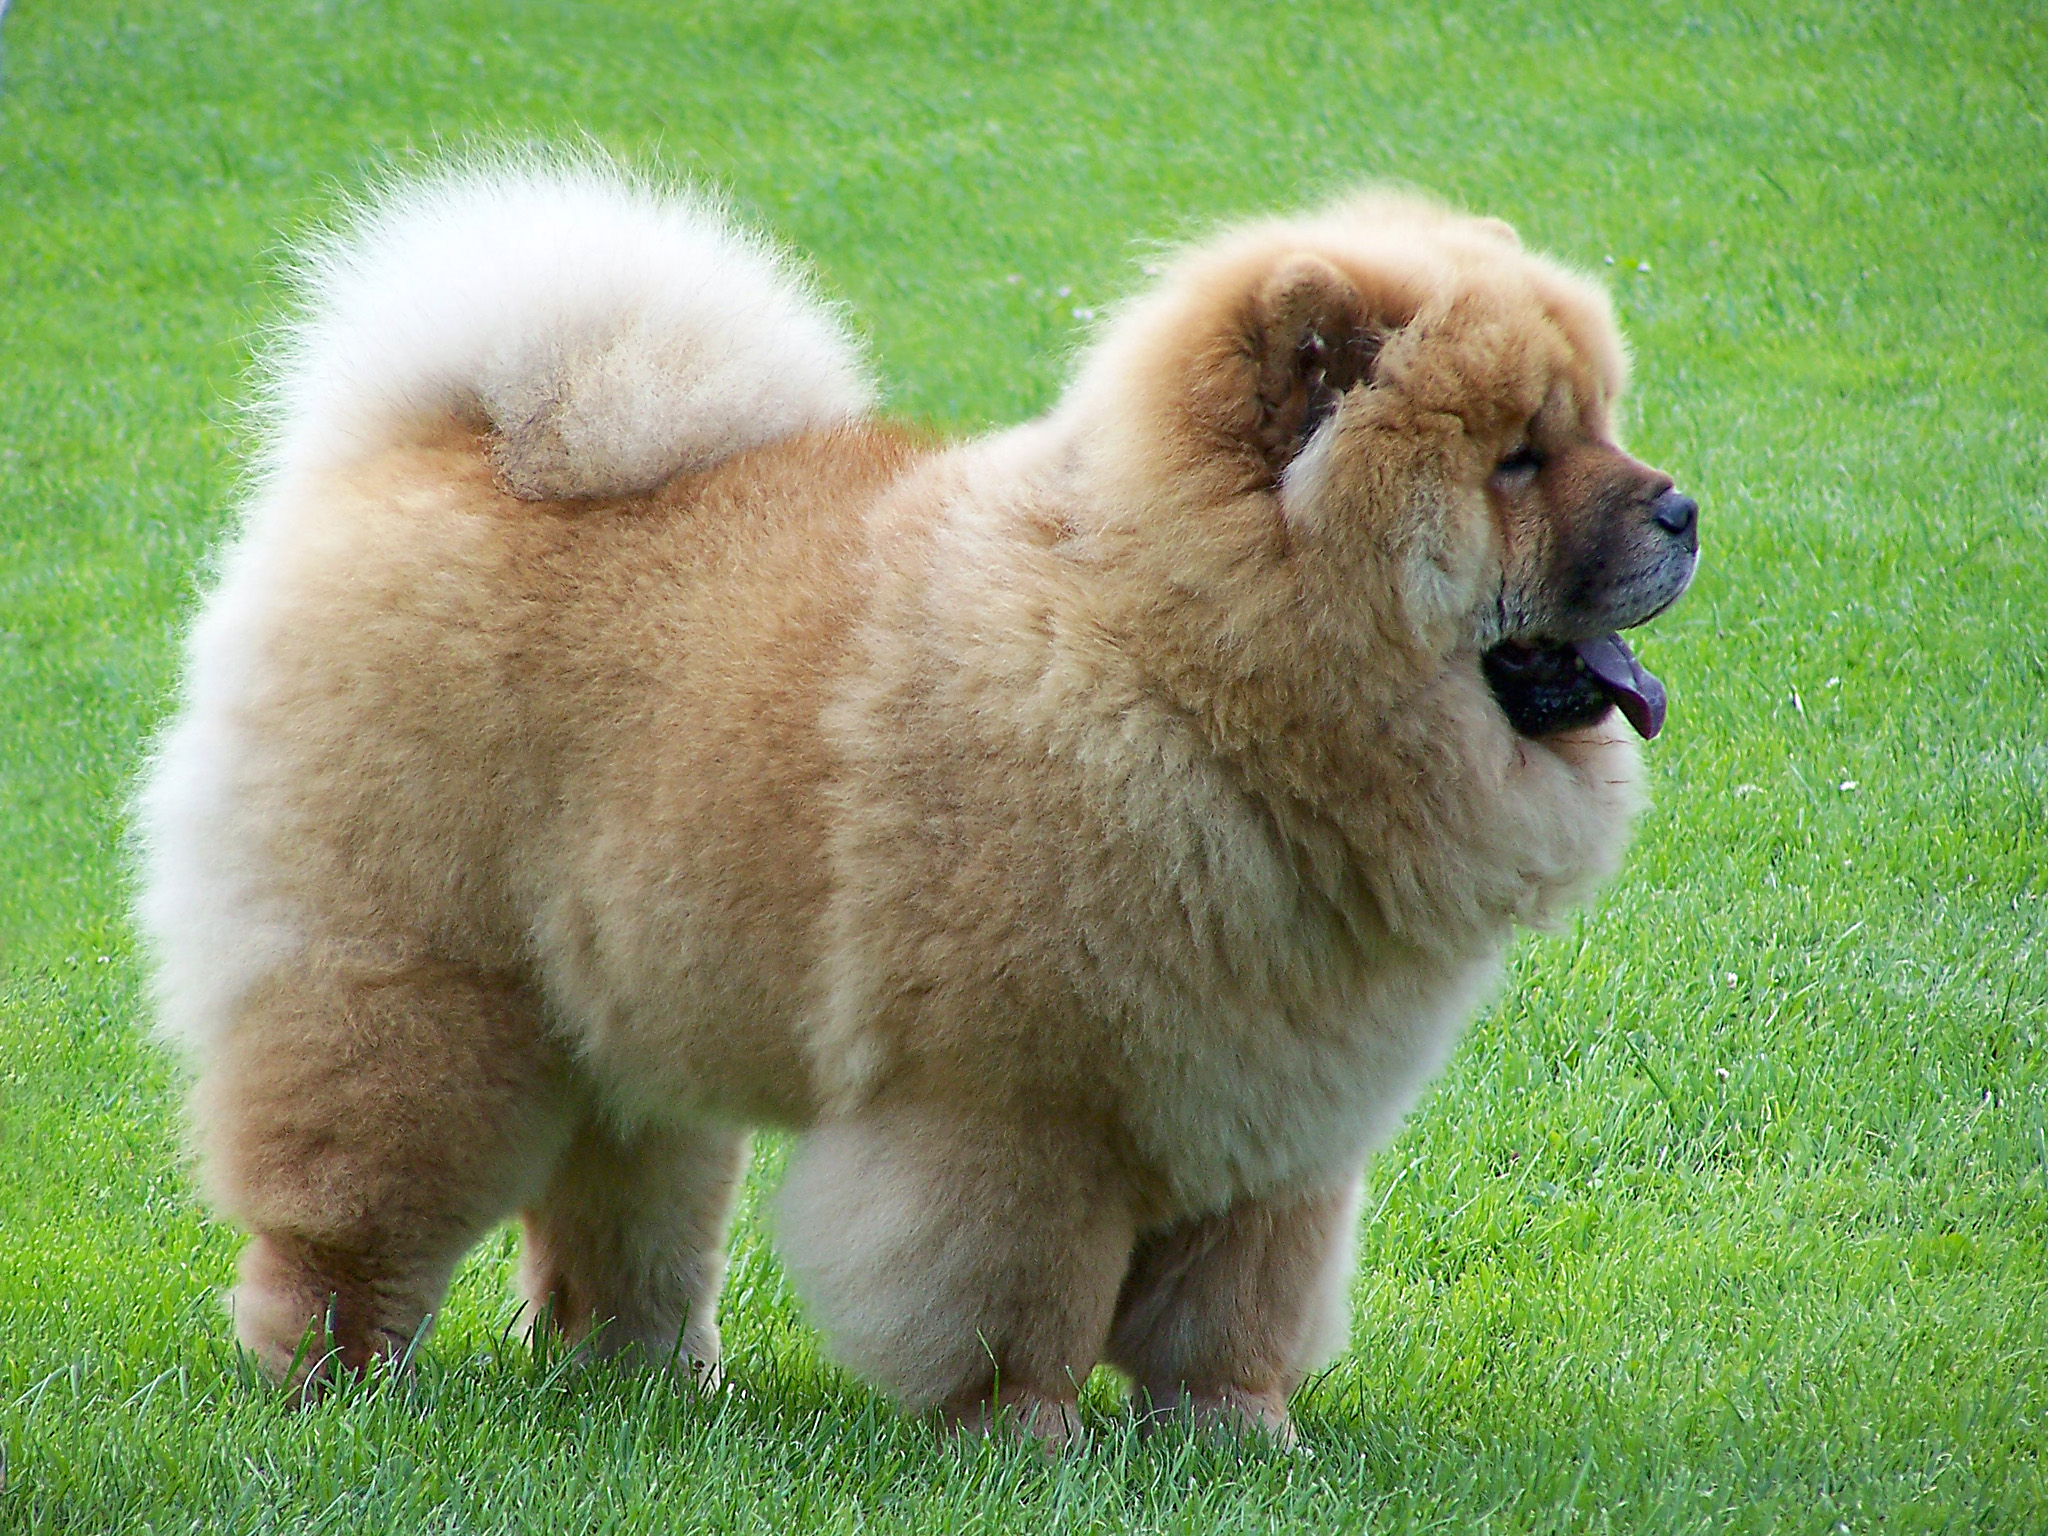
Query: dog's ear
[[1311, 338]]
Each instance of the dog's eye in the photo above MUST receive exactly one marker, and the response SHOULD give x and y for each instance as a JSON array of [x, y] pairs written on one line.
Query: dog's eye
[[1523, 460]]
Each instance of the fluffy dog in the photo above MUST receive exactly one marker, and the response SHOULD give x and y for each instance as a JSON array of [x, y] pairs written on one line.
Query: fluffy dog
[[606, 737]]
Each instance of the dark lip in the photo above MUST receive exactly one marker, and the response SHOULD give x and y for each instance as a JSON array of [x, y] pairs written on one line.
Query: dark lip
[[1692, 569], [1544, 686], [1597, 627], [1544, 690]]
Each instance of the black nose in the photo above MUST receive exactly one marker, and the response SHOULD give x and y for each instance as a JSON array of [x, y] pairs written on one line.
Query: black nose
[[1675, 512]]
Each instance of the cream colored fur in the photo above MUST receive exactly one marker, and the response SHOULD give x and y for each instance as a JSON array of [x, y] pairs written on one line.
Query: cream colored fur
[[612, 334], [605, 737]]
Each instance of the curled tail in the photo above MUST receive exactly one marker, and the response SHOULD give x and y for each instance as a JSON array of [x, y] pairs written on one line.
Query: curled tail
[[612, 333]]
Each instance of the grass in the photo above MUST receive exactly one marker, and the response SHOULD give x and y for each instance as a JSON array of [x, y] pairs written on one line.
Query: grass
[[1730, 1214]]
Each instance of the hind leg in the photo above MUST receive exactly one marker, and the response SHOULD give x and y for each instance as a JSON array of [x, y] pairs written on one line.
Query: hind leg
[[367, 1123], [625, 1248], [1222, 1318]]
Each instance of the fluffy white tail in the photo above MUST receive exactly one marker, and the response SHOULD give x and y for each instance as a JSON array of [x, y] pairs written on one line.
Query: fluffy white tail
[[614, 334]]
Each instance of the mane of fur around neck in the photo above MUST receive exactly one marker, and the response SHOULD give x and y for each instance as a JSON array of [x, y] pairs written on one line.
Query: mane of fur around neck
[[1324, 703]]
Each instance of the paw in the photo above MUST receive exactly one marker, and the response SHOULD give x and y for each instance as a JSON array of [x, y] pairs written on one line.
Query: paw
[[1053, 1424], [304, 1328], [695, 1357], [1236, 1411]]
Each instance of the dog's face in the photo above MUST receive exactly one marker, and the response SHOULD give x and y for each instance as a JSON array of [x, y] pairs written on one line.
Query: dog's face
[[1590, 540], [1432, 409], [1594, 543]]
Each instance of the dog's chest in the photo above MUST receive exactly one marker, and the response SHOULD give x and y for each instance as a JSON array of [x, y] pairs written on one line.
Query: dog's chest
[[1235, 1101]]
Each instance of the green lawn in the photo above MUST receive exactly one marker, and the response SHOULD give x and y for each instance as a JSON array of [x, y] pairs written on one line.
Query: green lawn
[[1731, 1213]]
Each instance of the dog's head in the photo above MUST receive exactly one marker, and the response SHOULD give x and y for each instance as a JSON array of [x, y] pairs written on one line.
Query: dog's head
[[1422, 413]]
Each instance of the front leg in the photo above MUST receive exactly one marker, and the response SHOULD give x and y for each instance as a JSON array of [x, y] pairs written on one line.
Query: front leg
[[965, 1264], [1223, 1317]]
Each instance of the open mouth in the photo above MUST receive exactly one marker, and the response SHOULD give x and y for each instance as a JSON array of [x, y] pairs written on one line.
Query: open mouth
[[1547, 687]]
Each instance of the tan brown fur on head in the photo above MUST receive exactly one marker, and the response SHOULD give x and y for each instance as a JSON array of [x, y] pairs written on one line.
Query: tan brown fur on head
[[1342, 387]]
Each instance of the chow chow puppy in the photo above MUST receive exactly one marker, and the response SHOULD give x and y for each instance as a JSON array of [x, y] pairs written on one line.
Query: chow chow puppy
[[607, 736]]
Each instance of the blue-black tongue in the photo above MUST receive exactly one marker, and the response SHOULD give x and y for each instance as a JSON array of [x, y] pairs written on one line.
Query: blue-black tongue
[[1637, 694]]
